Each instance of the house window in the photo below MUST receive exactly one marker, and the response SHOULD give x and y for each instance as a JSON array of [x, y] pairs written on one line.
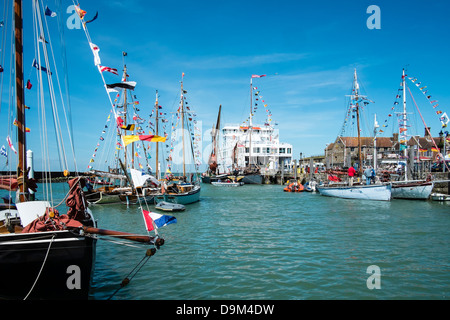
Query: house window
[[289, 150], [247, 150], [282, 150]]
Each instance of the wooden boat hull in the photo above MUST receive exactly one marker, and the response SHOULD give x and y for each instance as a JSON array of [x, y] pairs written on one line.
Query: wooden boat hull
[[182, 197], [420, 191], [67, 269], [362, 192], [102, 197]]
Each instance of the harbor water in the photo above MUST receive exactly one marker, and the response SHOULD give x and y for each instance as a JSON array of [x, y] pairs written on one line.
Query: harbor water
[[258, 242]]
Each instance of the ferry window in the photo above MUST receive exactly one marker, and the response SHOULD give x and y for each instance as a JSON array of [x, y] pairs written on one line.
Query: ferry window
[[289, 150], [282, 150], [247, 150], [267, 150]]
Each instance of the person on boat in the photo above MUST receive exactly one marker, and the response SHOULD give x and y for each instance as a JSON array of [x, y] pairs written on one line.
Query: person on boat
[[372, 175], [368, 174], [351, 173]]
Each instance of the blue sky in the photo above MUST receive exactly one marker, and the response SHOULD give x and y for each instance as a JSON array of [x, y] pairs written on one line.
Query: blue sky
[[307, 49]]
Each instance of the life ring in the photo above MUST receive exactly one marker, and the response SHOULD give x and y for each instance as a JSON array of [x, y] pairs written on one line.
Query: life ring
[[438, 157]]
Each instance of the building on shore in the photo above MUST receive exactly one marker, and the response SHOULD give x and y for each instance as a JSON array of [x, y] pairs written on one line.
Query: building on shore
[[263, 149], [343, 152]]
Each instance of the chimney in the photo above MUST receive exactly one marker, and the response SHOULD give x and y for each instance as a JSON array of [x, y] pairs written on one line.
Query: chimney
[[426, 132], [395, 137]]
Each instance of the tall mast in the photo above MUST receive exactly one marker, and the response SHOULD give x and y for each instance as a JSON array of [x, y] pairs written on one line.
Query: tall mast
[[250, 127], [356, 97], [124, 78], [405, 151], [182, 124], [375, 127], [157, 133], [20, 100]]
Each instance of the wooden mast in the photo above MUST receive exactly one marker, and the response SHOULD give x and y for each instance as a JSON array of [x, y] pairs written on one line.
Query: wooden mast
[[20, 101]]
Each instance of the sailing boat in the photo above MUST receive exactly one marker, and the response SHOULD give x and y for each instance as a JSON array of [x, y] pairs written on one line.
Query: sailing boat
[[181, 191], [409, 189], [212, 174], [133, 186], [45, 254], [380, 192], [252, 173]]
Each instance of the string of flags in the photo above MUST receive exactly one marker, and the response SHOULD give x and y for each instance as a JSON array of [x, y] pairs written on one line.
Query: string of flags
[[192, 128], [258, 98], [443, 117], [351, 110], [401, 117]]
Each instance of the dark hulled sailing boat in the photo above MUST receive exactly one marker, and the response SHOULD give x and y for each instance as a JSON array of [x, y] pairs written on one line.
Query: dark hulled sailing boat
[[52, 256]]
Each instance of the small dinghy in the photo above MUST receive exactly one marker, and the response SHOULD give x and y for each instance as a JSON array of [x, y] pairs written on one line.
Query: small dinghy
[[440, 197], [168, 206]]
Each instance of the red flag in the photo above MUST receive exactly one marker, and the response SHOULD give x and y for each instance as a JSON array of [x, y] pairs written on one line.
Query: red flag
[[112, 70], [148, 220], [29, 85], [257, 76]]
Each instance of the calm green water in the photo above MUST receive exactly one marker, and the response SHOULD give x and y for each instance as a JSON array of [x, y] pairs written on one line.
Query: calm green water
[[258, 242]]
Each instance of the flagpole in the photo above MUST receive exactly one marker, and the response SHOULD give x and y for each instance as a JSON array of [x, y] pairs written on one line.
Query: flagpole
[[182, 124], [250, 125], [157, 133], [405, 151]]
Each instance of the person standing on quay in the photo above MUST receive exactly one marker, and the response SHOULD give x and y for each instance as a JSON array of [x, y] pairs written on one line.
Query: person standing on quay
[[351, 174]]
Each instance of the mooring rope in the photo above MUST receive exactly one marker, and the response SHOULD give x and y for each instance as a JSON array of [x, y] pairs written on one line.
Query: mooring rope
[[139, 266], [42, 267]]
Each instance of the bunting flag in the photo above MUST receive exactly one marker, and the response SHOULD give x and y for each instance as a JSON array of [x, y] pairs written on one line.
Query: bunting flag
[[155, 220], [49, 12], [95, 17], [29, 85], [150, 138], [81, 13], [112, 70], [444, 118], [129, 127], [95, 50], [124, 85], [36, 65], [3, 151], [16, 124], [8, 139]]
